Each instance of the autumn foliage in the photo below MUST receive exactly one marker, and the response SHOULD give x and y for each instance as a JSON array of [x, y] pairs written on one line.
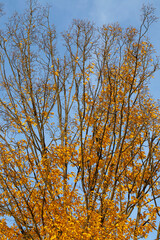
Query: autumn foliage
[[79, 132]]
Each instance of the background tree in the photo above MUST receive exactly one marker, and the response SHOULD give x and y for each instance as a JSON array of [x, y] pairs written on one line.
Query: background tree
[[79, 149]]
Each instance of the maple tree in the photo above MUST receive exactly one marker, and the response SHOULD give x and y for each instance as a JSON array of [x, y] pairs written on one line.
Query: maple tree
[[79, 134]]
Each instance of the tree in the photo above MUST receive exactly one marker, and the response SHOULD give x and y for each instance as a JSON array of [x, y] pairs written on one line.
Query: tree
[[79, 134]]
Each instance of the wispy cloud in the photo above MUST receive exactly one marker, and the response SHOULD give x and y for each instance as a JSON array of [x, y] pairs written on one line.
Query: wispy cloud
[[109, 11]]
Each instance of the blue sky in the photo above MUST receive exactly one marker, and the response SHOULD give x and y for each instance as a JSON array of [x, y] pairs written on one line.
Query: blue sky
[[126, 12]]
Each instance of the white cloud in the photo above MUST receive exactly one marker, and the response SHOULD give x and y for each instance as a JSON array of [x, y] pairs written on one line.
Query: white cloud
[[108, 11]]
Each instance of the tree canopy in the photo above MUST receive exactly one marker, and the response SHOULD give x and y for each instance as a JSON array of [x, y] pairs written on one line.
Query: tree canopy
[[79, 131]]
